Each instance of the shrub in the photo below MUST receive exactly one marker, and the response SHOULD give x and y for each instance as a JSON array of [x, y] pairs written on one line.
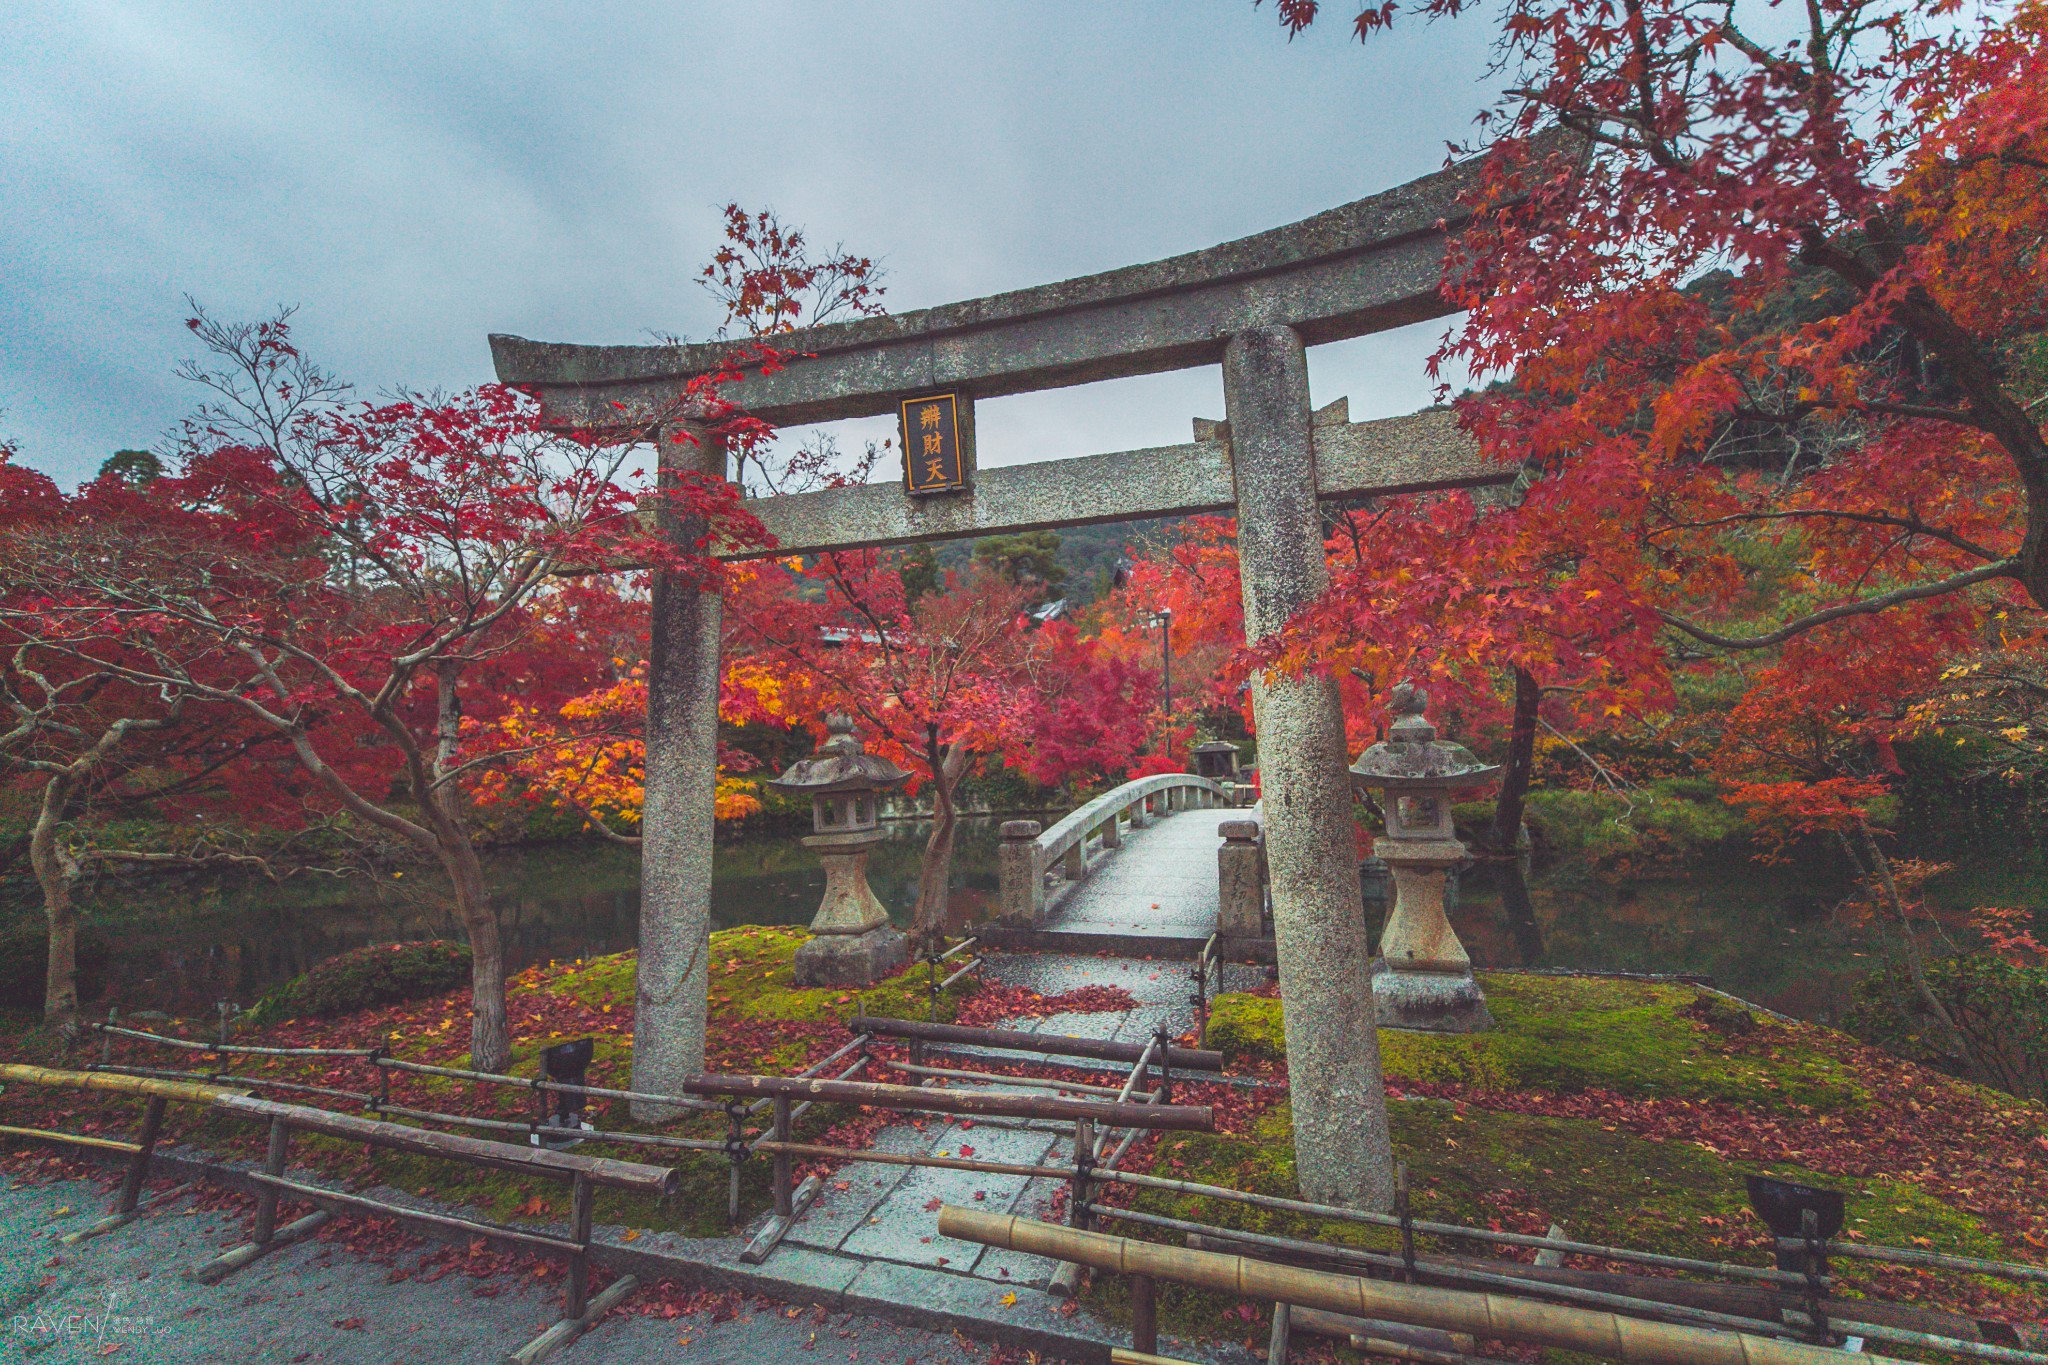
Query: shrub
[[2001, 1009], [382, 974], [1662, 827], [25, 959]]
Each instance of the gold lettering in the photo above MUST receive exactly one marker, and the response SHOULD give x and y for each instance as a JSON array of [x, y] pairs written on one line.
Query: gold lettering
[[934, 471], [933, 443], [928, 417]]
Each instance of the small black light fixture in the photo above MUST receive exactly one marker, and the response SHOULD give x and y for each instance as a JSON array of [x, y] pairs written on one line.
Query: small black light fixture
[[1790, 1209], [565, 1064]]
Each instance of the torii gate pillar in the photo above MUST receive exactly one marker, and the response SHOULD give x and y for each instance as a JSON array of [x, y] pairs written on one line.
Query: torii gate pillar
[[678, 810], [1342, 1149]]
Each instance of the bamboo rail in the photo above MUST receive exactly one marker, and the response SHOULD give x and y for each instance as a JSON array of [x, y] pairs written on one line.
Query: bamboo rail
[[1638, 1307], [583, 1173], [621, 1175], [1388, 1220], [184, 1092], [997, 1078], [247, 1049], [75, 1139], [1101, 1049], [948, 1163], [1610, 1335], [1932, 1260], [1182, 1118]]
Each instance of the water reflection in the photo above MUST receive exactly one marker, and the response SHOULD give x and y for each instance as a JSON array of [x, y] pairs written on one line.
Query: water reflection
[[185, 946], [1764, 931]]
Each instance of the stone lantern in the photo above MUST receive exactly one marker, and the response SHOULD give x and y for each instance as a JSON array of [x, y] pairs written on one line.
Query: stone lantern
[[851, 942], [1423, 976]]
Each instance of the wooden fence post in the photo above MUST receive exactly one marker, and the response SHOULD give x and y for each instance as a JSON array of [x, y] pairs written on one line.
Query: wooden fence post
[[1144, 1315], [266, 1198], [138, 1165], [785, 1204], [579, 1260]]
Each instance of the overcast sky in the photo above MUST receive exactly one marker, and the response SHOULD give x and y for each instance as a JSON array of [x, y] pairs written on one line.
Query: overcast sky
[[416, 176]]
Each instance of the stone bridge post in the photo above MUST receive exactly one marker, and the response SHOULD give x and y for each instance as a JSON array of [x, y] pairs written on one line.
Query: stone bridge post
[[1342, 1149], [1240, 881], [681, 776], [1020, 891]]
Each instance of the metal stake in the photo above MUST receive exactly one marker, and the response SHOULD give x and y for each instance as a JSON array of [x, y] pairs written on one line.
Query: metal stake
[[735, 1153], [1815, 1266]]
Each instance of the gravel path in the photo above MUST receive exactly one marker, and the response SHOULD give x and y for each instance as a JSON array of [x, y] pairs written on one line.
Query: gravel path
[[123, 1296]]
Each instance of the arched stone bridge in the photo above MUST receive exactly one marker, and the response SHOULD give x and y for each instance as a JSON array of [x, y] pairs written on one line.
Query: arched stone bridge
[[1143, 869]]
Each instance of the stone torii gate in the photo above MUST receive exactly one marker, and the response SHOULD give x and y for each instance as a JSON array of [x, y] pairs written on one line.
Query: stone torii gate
[[1253, 305]]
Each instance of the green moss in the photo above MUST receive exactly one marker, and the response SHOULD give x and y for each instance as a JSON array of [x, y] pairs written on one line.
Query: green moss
[[752, 977], [1667, 824], [1581, 1033], [1470, 1165], [1245, 1029], [382, 974]]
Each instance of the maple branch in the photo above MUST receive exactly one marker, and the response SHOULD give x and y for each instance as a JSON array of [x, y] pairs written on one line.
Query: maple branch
[[596, 822], [1911, 524], [2004, 568]]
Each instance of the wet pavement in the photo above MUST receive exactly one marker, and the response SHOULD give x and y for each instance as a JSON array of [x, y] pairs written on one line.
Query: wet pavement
[[1162, 882]]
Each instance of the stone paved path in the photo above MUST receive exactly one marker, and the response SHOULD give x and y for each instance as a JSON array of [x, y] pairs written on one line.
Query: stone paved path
[[1162, 882]]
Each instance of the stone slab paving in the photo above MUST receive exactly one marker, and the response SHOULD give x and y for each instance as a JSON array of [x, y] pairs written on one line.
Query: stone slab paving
[[1162, 882], [888, 1214], [122, 1297]]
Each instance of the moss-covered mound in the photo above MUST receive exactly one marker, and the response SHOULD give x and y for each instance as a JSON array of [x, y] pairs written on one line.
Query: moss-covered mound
[[382, 974], [1569, 1034], [1630, 1112]]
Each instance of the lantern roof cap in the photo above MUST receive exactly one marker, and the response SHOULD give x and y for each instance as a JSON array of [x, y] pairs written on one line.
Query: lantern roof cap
[[841, 764], [1216, 746], [1411, 757]]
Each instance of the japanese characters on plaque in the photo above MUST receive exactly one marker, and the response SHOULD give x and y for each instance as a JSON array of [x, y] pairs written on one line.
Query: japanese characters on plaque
[[932, 462]]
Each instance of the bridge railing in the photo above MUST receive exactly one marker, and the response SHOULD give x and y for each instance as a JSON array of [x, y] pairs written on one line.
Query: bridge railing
[[1029, 853]]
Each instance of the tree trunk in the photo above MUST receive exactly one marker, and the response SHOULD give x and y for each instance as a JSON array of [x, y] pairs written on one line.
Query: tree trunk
[[54, 875], [1504, 835], [1520, 910], [1916, 969], [490, 1034], [1515, 774], [935, 873]]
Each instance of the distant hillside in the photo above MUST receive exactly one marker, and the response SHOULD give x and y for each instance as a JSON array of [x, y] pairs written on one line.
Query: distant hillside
[[1088, 553]]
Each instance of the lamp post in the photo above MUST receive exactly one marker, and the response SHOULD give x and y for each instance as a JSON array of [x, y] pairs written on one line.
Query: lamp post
[[1422, 978], [1162, 620], [852, 943]]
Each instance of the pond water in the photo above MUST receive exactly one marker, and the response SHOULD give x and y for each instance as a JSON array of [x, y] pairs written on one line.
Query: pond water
[[1767, 932], [181, 944]]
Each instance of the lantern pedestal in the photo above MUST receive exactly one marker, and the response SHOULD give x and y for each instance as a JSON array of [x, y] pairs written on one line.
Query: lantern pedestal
[[851, 942], [1428, 1002], [1418, 936], [1423, 977]]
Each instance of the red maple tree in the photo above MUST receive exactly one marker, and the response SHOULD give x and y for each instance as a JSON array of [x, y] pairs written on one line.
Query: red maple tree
[[372, 587]]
